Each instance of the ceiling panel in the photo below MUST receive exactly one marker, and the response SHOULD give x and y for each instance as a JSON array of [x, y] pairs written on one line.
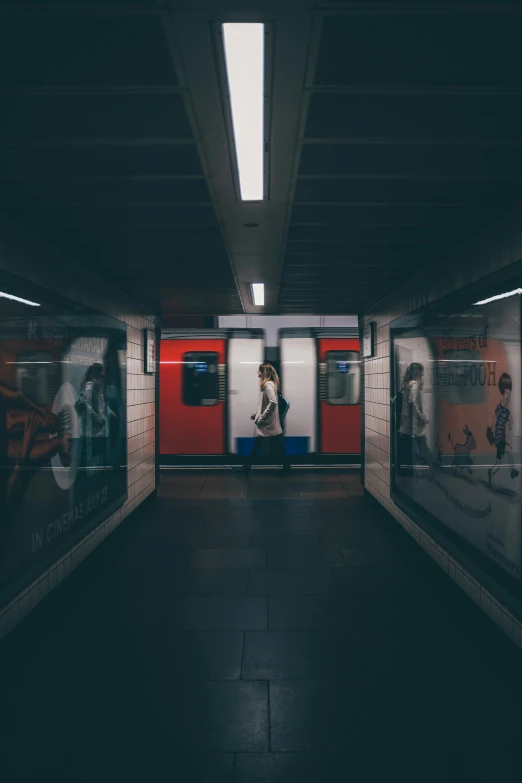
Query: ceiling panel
[[411, 143], [371, 245], [420, 49], [411, 160], [98, 154], [380, 214], [175, 159], [51, 117], [413, 116], [407, 191], [119, 191], [83, 51], [313, 234], [122, 214], [395, 132]]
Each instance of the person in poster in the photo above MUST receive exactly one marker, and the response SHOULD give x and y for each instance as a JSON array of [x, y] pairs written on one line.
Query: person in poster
[[412, 439], [92, 406], [503, 417], [29, 437]]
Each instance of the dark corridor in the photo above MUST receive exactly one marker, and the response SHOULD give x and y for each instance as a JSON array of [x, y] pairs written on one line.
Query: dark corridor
[[256, 640]]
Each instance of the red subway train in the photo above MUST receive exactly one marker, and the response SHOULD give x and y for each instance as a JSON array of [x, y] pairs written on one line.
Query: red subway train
[[209, 389]]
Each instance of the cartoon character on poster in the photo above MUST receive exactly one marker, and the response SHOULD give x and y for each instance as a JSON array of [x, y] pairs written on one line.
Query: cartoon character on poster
[[496, 434]]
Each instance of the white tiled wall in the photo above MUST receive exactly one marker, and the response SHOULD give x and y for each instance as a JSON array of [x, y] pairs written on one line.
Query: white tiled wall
[[33, 260], [495, 249]]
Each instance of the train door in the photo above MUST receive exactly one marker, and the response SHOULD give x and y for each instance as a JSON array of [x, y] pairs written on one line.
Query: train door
[[298, 376], [245, 354], [192, 396], [339, 389]]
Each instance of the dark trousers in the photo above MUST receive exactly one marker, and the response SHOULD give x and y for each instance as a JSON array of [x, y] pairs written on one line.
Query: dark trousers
[[276, 446]]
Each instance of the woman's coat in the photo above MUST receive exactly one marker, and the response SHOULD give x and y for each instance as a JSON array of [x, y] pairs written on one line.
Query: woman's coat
[[267, 422]]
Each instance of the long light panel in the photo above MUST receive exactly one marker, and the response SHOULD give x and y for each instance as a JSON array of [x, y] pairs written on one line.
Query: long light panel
[[258, 294], [3, 295], [244, 46], [500, 296]]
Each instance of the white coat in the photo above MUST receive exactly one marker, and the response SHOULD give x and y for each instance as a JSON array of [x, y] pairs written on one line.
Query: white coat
[[266, 419]]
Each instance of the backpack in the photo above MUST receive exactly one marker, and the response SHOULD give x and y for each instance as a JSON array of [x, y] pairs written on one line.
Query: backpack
[[283, 405]]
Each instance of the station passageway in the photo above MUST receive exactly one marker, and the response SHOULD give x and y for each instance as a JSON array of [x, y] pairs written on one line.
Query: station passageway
[[240, 639]]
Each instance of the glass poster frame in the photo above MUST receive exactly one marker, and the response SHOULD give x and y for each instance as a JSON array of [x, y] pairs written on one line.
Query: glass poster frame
[[63, 430], [456, 432]]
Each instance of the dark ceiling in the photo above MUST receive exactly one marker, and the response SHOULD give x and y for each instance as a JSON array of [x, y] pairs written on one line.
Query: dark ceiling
[[395, 131]]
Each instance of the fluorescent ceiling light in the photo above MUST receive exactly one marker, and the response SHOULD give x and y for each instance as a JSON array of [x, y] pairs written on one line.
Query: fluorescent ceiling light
[[258, 294], [18, 299], [500, 296], [244, 57]]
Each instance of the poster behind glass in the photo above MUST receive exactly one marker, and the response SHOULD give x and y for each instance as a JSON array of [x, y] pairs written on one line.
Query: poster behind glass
[[63, 444], [457, 418]]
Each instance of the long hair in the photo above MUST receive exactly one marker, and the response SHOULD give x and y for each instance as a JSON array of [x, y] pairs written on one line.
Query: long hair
[[414, 373], [268, 373], [94, 374]]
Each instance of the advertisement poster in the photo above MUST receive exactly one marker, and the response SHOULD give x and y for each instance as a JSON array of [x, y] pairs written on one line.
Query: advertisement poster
[[458, 424], [63, 435]]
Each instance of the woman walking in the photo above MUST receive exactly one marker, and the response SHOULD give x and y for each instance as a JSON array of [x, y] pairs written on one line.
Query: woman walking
[[267, 426]]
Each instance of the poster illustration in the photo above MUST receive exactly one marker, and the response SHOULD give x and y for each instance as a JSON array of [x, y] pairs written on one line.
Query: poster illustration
[[457, 416], [63, 435]]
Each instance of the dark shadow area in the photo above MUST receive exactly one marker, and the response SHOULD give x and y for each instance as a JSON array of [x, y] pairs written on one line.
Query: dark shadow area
[[259, 640]]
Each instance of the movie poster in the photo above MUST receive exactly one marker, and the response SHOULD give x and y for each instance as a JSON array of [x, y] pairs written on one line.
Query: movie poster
[[457, 416], [63, 436]]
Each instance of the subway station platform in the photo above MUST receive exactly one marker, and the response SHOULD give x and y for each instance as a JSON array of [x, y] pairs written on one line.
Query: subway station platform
[[247, 640]]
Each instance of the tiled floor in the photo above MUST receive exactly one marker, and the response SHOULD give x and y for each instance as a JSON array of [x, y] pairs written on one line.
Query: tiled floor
[[263, 483], [240, 641]]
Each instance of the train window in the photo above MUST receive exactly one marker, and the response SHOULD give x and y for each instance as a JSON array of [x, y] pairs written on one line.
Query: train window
[[200, 378], [343, 372]]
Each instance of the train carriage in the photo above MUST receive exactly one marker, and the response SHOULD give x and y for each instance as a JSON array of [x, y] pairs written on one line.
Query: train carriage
[[209, 390], [320, 374]]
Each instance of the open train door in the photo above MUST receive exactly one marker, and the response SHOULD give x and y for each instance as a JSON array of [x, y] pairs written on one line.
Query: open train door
[[339, 391], [192, 393], [246, 351]]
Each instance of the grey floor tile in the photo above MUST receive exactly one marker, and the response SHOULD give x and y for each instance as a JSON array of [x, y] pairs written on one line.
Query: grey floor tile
[[349, 767], [204, 768], [371, 556], [229, 487], [283, 537], [224, 717], [313, 716], [373, 579], [228, 558], [237, 613], [303, 556], [315, 612], [304, 581], [189, 655], [301, 655], [197, 540], [165, 581]]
